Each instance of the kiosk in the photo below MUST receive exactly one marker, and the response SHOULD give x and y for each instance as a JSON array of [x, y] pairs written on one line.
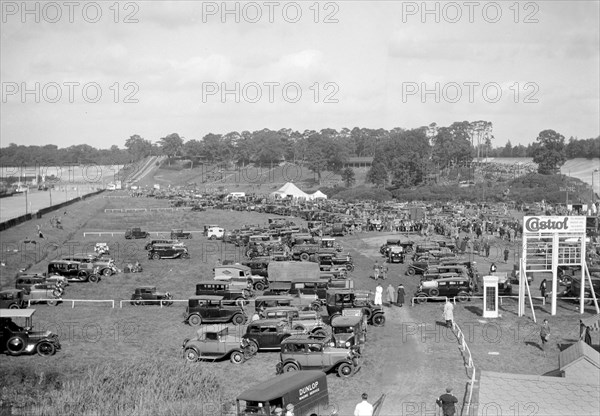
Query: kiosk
[[490, 296]]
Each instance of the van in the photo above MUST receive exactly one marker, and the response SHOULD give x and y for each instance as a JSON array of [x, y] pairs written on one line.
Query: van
[[222, 288], [305, 390], [215, 233]]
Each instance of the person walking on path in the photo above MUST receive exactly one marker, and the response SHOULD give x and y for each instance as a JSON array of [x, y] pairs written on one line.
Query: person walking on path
[[545, 334], [401, 294], [376, 270], [378, 295], [506, 254], [584, 333], [391, 294], [364, 408], [384, 270], [543, 288], [486, 247], [446, 402], [448, 313]]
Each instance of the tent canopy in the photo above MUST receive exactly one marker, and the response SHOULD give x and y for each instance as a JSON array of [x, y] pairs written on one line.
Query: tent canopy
[[289, 189]]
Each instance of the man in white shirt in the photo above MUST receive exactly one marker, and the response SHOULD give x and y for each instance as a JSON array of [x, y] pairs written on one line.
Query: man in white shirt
[[364, 408]]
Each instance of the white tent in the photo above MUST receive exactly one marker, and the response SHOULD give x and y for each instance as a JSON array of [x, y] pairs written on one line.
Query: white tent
[[317, 195], [289, 189]]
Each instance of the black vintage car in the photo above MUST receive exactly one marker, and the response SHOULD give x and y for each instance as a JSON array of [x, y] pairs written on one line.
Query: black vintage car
[[179, 234], [74, 271], [18, 340], [267, 334], [134, 233], [12, 299], [148, 295], [168, 251], [213, 309], [340, 299], [459, 287]]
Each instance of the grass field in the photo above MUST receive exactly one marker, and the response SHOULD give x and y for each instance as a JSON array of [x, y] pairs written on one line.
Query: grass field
[[114, 354]]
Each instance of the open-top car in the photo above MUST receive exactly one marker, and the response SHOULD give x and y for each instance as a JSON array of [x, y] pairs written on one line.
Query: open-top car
[[213, 309], [17, 340], [148, 295], [44, 292], [215, 343], [304, 352], [340, 299]]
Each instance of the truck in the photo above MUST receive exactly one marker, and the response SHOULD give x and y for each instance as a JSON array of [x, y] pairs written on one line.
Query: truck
[[293, 271]]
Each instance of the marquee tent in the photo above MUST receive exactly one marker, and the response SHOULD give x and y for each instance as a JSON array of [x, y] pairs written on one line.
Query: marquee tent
[[291, 190]]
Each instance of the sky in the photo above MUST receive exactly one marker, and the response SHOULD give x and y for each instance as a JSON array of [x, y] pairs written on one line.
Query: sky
[[99, 72]]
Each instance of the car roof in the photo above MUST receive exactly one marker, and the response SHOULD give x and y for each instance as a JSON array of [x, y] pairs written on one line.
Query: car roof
[[267, 322], [280, 308], [304, 338], [16, 313], [146, 287], [11, 290], [207, 297], [278, 386], [348, 320], [213, 282], [232, 266], [273, 297]]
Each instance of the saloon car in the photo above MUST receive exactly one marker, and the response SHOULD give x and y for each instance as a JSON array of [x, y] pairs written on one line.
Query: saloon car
[[148, 295], [213, 309], [215, 343]]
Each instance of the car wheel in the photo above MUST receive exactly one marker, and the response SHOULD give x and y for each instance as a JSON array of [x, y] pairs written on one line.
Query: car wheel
[[106, 272], [298, 328], [137, 302], [238, 319], [421, 298], [156, 256], [304, 257], [252, 346], [411, 271], [236, 357], [15, 345], [189, 236], [349, 267], [434, 292], [379, 320], [191, 355], [94, 278], [344, 370], [185, 256], [45, 349], [462, 296], [289, 367], [14, 306], [213, 237], [195, 320], [259, 286], [249, 253], [57, 293], [52, 303], [315, 306], [166, 302], [321, 333]]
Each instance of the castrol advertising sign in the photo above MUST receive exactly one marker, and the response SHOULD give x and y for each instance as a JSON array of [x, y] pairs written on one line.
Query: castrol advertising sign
[[554, 225]]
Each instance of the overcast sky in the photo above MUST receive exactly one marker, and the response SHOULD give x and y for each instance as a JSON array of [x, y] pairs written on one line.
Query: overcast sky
[[161, 67]]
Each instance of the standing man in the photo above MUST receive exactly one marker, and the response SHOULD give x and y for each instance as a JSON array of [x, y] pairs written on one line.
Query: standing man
[[401, 294], [486, 247], [364, 408], [543, 288], [391, 294], [376, 270], [449, 313], [506, 253], [446, 402], [378, 295], [290, 410], [545, 334], [384, 270]]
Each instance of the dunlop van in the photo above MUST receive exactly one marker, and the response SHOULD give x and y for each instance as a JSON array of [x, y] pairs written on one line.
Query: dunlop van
[[306, 390]]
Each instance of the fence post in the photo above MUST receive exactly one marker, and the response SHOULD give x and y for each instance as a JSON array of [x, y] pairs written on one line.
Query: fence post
[[72, 304]]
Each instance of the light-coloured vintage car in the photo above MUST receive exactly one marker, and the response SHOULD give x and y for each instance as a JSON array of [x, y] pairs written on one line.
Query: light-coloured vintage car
[[45, 293], [214, 343], [308, 321]]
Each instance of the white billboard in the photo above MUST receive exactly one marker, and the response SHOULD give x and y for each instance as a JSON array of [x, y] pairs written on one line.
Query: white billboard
[[554, 225]]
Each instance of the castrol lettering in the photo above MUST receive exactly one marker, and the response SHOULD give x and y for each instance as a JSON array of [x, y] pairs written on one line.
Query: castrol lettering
[[534, 224]]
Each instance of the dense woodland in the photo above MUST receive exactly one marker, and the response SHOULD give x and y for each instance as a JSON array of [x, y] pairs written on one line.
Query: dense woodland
[[402, 157]]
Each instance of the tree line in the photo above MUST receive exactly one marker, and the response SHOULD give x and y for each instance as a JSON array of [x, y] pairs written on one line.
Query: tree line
[[401, 157]]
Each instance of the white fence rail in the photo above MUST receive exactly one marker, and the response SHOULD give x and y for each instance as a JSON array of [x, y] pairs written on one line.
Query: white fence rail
[[111, 301], [157, 233], [468, 359], [137, 210]]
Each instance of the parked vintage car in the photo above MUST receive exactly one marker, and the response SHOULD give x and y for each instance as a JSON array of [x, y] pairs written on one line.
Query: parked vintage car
[[162, 241], [106, 266], [267, 334], [135, 233], [213, 309], [241, 273], [395, 255], [223, 288], [179, 234], [74, 271], [307, 321], [349, 331], [215, 233], [215, 343], [304, 352], [148, 295], [45, 292], [12, 299], [168, 251], [458, 287], [340, 299], [18, 340]]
